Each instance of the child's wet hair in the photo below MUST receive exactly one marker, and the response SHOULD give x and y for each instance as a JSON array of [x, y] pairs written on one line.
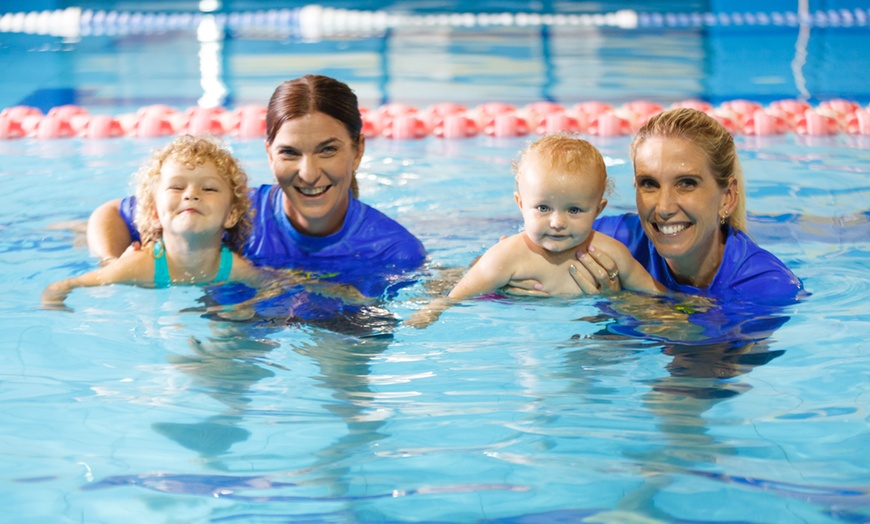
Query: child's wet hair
[[566, 153], [193, 151]]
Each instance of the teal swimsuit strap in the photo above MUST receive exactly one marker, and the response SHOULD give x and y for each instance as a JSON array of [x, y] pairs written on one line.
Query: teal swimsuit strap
[[161, 266], [226, 267]]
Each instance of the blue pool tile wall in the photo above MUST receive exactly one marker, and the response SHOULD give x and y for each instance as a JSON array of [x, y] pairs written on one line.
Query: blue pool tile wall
[[113, 71]]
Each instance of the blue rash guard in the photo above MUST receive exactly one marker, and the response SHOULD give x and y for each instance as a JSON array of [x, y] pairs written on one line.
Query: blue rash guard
[[747, 274], [370, 252], [750, 288]]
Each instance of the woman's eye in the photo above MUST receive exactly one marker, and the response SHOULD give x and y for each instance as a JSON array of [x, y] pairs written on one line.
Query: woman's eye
[[688, 183], [329, 150], [645, 183]]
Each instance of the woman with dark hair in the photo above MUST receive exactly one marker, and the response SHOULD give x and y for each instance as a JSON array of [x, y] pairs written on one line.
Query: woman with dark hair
[[311, 218]]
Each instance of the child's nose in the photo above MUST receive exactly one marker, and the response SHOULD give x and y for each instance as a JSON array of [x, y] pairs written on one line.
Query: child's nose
[[557, 221]]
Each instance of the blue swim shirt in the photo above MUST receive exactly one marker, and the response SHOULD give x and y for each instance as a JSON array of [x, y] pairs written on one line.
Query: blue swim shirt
[[748, 273]]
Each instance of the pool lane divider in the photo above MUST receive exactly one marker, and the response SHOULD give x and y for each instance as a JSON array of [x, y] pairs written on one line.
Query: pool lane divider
[[444, 120], [315, 21]]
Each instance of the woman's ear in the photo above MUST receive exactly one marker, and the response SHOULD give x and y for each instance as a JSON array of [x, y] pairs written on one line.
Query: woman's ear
[[729, 198], [268, 151], [360, 151]]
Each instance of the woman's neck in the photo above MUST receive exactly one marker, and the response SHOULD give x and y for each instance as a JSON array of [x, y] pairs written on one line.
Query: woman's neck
[[315, 227], [700, 274]]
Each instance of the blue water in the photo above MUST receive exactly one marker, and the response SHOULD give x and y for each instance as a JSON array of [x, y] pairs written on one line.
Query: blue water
[[135, 408]]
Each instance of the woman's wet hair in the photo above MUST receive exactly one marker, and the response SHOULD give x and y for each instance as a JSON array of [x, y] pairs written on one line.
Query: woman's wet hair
[[315, 94], [712, 138]]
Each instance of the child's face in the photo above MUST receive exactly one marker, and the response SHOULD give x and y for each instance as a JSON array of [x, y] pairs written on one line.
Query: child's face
[[197, 200], [558, 207]]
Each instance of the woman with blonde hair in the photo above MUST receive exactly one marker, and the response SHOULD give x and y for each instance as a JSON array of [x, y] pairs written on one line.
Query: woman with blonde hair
[[689, 231]]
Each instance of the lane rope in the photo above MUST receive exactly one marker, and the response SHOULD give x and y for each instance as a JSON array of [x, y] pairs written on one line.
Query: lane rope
[[314, 21], [444, 120]]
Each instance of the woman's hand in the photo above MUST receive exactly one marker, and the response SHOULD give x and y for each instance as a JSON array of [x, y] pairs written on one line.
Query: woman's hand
[[596, 273], [524, 288]]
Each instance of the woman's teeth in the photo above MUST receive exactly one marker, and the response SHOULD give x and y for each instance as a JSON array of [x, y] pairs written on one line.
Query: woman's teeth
[[671, 229], [312, 191]]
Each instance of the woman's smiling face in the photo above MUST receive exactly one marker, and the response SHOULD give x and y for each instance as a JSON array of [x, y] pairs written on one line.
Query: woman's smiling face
[[679, 204], [314, 159]]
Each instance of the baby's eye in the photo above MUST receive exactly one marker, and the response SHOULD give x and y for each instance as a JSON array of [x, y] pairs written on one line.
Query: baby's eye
[[542, 208], [574, 210], [210, 189]]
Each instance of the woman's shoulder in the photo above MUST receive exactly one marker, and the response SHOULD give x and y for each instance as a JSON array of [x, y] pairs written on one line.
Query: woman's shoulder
[[376, 224], [757, 272]]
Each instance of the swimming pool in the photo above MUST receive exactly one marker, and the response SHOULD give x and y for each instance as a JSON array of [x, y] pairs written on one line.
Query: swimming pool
[[135, 408]]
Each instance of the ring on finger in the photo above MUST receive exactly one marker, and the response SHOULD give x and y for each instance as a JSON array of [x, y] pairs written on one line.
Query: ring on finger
[[613, 274]]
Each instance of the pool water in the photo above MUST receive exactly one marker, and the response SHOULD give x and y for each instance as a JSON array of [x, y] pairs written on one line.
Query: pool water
[[131, 408], [135, 407]]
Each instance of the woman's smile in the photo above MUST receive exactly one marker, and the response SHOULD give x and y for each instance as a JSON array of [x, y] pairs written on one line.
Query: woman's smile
[[313, 191]]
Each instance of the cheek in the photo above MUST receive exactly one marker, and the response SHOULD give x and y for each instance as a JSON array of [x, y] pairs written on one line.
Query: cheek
[[643, 202]]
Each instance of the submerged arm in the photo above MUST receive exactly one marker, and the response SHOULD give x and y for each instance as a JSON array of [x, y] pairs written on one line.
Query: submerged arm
[[271, 283]]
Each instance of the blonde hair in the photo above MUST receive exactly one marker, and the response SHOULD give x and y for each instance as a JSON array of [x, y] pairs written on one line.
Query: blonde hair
[[566, 153], [713, 139], [193, 151]]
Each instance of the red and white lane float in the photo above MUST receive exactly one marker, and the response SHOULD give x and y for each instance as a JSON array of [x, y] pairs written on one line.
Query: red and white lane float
[[445, 120]]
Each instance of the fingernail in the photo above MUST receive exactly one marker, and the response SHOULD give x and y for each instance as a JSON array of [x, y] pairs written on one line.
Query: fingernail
[[591, 249], [539, 287], [581, 254], [573, 269]]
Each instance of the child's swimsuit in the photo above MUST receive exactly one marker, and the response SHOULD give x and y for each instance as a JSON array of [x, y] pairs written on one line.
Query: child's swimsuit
[[161, 266]]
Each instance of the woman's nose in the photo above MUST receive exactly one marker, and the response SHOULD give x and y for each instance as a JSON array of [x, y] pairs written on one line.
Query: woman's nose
[[308, 169], [666, 205]]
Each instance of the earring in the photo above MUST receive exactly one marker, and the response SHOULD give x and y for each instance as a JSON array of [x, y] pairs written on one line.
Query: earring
[[722, 218]]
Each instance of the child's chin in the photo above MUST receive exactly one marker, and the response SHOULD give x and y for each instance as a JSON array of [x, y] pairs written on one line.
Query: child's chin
[[559, 247]]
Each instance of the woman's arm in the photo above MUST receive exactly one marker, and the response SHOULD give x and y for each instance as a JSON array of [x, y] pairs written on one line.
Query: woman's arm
[[107, 233]]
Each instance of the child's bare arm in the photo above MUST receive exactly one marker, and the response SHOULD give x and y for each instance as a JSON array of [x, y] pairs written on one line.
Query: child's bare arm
[[132, 268], [489, 273]]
